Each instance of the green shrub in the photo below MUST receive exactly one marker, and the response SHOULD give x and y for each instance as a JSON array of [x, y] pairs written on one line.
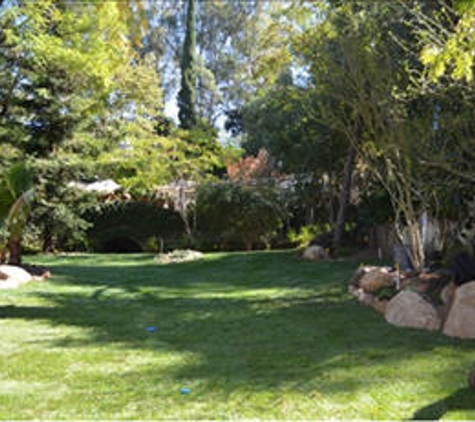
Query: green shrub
[[236, 216], [134, 227], [305, 234]]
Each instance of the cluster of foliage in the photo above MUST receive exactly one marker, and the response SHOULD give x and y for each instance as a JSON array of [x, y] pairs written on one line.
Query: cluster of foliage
[[231, 215], [362, 103], [375, 96], [307, 233], [80, 103], [251, 167], [68, 77], [449, 44]]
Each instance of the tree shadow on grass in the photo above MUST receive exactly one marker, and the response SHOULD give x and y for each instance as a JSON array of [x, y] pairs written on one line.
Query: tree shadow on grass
[[301, 331], [462, 400], [261, 269], [261, 343]]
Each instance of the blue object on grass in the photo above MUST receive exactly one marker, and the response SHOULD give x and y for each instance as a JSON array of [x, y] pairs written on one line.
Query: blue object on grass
[[185, 390], [150, 329]]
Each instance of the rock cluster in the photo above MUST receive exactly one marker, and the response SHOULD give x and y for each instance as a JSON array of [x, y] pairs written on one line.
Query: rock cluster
[[430, 301], [369, 284]]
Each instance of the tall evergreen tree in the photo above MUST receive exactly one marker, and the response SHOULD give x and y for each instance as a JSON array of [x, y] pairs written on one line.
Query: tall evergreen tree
[[187, 94]]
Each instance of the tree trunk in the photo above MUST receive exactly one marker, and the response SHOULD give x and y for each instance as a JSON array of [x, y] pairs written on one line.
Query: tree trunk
[[3, 255], [248, 243], [417, 246], [344, 198], [47, 245], [14, 248]]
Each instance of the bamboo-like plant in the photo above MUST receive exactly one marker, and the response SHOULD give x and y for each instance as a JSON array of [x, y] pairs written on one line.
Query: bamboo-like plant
[[16, 196]]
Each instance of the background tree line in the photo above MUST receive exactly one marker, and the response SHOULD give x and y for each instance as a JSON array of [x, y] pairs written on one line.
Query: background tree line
[[362, 103]]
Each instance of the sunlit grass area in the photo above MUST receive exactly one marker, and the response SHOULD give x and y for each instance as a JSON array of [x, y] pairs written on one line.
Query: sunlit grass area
[[249, 335]]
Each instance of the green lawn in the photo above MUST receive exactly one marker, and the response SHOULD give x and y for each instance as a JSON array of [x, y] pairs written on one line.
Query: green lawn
[[252, 335]]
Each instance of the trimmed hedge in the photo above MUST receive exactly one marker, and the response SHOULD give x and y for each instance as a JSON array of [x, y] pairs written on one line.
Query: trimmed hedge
[[134, 227]]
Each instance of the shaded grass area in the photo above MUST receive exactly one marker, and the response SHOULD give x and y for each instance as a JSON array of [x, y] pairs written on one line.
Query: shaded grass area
[[252, 335]]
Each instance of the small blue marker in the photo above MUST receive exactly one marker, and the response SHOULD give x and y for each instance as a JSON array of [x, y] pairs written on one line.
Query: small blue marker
[[150, 329], [185, 390]]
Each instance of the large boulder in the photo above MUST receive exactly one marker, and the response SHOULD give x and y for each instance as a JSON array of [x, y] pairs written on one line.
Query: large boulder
[[361, 271], [315, 253], [409, 309], [376, 280], [461, 319], [12, 276], [446, 297], [447, 294]]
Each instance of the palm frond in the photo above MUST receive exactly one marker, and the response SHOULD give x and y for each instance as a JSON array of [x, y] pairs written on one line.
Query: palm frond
[[19, 178], [16, 192]]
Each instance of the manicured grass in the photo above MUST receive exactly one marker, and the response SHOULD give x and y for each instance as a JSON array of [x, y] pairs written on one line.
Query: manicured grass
[[252, 335]]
